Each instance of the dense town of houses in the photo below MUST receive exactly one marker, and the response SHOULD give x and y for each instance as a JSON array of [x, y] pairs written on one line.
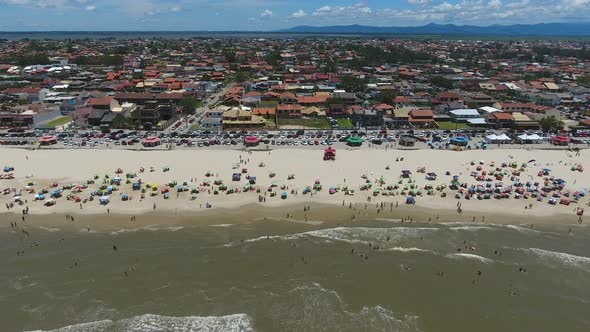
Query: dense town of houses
[[305, 82]]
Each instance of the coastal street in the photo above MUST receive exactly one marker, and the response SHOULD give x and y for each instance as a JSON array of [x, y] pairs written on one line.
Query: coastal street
[[270, 140]]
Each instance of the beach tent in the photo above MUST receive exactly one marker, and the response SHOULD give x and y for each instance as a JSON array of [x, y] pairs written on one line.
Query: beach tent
[[493, 138], [48, 140], [104, 200], [406, 173], [531, 138], [236, 177], [354, 141], [329, 154], [431, 176], [151, 142], [460, 141], [560, 140], [251, 141], [410, 200]]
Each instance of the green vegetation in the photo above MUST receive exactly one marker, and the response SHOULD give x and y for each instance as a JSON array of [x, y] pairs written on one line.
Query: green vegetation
[[551, 123], [442, 82], [447, 125], [242, 76], [584, 80], [583, 54], [189, 104], [268, 104], [472, 104], [353, 84], [345, 124], [273, 58], [122, 122], [387, 96], [105, 60], [317, 123], [195, 126], [375, 56], [270, 122], [62, 120], [33, 59]]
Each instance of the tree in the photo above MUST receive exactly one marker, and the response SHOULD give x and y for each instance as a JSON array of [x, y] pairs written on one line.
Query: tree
[[354, 84], [472, 104], [273, 58], [442, 82], [584, 80], [188, 104], [551, 123], [333, 101], [242, 76], [205, 77], [387, 96]]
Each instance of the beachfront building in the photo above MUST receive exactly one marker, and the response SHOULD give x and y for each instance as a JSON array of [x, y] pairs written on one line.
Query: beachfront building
[[242, 118], [399, 118], [500, 120], [521, 121], [289, 111], [470, 116], [367, 118], [153, 113], [16, 118], [422, 118], [212, 119]]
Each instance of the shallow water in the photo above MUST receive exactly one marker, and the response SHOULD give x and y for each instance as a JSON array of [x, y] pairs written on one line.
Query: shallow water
[[270, 276]]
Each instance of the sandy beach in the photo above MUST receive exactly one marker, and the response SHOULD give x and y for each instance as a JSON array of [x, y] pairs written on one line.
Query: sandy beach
[[351, 170]]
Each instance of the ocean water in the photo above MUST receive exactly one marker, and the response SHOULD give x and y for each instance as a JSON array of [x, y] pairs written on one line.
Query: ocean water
[[273, 276]]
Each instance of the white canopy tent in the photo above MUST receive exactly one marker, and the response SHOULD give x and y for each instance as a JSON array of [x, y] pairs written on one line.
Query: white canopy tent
[[534, 138], [498, 138]]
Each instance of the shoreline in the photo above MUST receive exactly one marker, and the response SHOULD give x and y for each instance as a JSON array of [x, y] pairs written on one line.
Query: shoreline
[[320, 215]]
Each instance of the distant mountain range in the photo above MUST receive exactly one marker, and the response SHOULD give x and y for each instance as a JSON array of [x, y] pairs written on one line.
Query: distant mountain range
[[543, 29]]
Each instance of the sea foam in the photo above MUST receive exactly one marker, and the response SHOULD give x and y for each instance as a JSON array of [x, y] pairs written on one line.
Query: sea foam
[[153, 323], [570, 260], [469, 256], [358, 235]]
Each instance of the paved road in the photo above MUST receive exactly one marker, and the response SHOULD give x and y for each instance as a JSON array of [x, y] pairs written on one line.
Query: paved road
[[199, 112]]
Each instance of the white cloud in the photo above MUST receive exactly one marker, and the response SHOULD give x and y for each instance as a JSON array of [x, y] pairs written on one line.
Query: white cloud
[[476, 12], [90, 8], [266, 13], [343, 11], [298, 14]]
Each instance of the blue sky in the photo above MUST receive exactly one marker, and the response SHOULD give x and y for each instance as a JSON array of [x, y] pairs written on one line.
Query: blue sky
[[32, 15]]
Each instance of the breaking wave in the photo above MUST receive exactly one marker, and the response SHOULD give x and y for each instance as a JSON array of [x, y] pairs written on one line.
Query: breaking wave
[[413, 249], [469, 256], [153, 323], [570, 260], [313, 308], [358, 235], [147, 228]]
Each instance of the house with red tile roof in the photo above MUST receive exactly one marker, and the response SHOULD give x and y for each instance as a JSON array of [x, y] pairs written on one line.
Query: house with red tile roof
[[423, 118], [289, 110]]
